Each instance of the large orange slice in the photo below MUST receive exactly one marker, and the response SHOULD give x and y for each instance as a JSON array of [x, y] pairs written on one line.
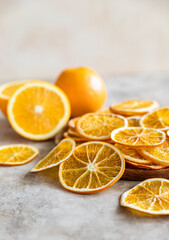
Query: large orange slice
[[158, 119], [138, 137], [93, 167], [150, 196], [38, 110], [98, 126], [134, 107], [58, 154], [17, 154]]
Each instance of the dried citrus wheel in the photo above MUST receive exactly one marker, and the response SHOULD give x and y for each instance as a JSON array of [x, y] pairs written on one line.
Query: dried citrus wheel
[[58, 154], [158, 119], [133, 121], [38, 110], [17, 154], [72, 123], [167, 133], [72, 132], [150, 196], [138, 137], [159, 154], [134, 107], [104, 111], [132, 155], [6, 91], [146, 166], [93, 167], [75, 138], [98, 126]]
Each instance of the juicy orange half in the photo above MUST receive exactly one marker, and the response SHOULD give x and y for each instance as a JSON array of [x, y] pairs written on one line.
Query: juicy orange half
[[17, 154], [58, 154], [38, 110], [138, 137], [93, 167], [150, 196]]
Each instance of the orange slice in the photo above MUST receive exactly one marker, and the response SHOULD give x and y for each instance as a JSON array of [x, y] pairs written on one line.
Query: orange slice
[[167, 133], [58, 154], [98, 126], [72, 123], [72, 132], [6, 91], [159, 154], [38, 110], [138, 137], [131, 155], [133, 121], [17, 154], [134, 107], [150, 196], [146, 166], [93, 167], [104, 111], [158, 119]]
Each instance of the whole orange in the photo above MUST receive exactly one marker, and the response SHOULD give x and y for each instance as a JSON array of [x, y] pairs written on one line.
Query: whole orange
[[85, 89]]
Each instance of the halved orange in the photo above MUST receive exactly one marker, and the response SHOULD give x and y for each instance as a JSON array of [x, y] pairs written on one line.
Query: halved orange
[[72, 123], [58, 154], [150, 196], [38, 110], [17, 154], [159, 154], [158, 119], [134, 107], [98, 126], [133, 121], [93, 167], [138, 137]]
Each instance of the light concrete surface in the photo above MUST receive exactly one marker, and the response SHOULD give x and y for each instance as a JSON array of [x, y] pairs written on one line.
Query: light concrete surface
[[35, 206], [39, 38]]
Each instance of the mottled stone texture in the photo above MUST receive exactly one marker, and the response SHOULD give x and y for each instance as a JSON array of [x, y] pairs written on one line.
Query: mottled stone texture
[[35, 206]]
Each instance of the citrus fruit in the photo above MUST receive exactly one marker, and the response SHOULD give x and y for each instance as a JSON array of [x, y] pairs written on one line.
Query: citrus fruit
[[104, 111], [72, 123], [151, 165], [85, 89], [93, 167], [72, 132], [6, 91], [134, 107], [158, 119], [138, 137], [167, 133], [75, 138], [159, 154], [98, 126], [133, 121], [150, 196], [58, 154], [38, 110], [17, 154]]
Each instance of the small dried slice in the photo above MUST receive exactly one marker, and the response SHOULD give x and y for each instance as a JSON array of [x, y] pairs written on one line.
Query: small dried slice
[[72, 123], [58, 154], [17, 154], [75, 138], [72, 132], [167, 133], [150, 196], [159, 154], [134, 107], [138, 137], [93, 167], [98, 126], [104, 111], [133, 121], [132, 155], [145, 166], [158, 119]]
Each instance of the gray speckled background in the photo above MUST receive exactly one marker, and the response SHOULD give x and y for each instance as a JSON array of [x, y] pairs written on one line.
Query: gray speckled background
[[35, 206]]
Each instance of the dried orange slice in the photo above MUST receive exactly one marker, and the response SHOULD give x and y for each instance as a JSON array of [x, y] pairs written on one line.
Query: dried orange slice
[[17, 154], [38, 110], [131, 155], [146, 166], [133, 121], [134, 107], [158, 119], [58, 154], [75, 138], [72, 132], [93, 167], [72, 123], [138, 137], [159, 154], [167, 133], [104, 111], [150, 196], [98, 126]]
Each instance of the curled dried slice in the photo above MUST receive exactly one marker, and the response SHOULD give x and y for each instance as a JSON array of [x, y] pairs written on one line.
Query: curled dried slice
[[72, 123], [133, 121]]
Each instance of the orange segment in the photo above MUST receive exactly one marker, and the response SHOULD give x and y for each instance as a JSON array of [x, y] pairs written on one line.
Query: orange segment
[[93, 167], [150, 196], [58, 154], [38, 110], [134, 107], [158, 119], [133, 121], [138, 137], [98, 126], [17, 154]]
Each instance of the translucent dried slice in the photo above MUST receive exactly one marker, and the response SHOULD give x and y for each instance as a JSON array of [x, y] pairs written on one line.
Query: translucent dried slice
[[75, 138], [72, 123], [133, 121], [146, 166]]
